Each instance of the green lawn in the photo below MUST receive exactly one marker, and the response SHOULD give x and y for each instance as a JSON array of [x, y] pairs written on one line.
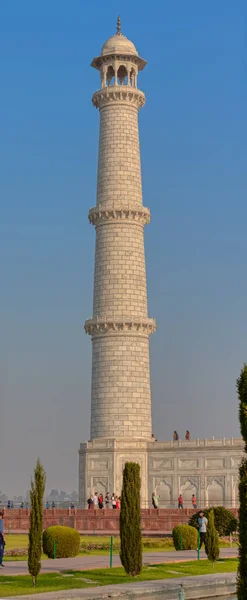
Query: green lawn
[[22, 584], [20, 541]]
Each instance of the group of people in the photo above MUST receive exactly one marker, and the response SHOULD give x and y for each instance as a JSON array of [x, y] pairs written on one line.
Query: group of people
[[48, 505], [97, 501], [176, 436], [156, 499], [181, 502]]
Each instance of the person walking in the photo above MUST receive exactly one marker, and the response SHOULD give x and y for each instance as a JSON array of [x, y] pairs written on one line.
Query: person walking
[[187, 435], [175, 436], [194, 501], [202, 522], [180, 501], [2, 544]]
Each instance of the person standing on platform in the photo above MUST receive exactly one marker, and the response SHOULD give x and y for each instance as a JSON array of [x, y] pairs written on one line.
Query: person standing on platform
[[155, 500], [107, 500], [180, 501], [100, 501], [194, 501]]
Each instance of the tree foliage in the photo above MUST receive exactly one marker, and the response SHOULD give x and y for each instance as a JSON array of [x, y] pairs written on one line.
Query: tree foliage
[[242, 549], [130, 520], [36, 521], [212, 539]]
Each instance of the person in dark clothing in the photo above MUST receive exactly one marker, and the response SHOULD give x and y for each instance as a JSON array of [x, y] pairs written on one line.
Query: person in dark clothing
[[175, 436], [90, 502], [2, 544]]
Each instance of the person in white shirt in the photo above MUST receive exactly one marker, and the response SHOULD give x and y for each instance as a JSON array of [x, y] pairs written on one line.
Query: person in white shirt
[[202, 522], [95, 500]]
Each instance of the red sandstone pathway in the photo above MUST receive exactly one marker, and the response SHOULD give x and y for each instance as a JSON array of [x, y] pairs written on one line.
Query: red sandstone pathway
[[80, 563]]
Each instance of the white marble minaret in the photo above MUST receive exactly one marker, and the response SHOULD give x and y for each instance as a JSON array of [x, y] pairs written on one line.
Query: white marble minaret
[[120, 327]]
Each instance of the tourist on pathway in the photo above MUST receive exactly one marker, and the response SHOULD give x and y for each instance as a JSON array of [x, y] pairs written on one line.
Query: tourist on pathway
[[95, 500], [175, 436], [202, 522], [47, 505], [194, 501], [2, 544], [113, 501], [155, 500], [107, 500], [187, 435], [100, 501], [180, 501]]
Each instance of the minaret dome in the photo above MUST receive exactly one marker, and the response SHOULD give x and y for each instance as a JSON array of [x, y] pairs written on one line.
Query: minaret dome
[[119, 61]]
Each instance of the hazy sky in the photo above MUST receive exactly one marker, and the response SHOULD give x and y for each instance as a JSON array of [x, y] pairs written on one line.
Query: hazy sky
[[193, 145]]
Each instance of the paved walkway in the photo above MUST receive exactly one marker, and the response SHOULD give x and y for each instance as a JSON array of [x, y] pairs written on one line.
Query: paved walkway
[[80, 563], [212, 585]]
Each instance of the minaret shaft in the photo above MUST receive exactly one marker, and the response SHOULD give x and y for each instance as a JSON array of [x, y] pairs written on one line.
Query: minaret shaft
[[119, 168], [120, 327]]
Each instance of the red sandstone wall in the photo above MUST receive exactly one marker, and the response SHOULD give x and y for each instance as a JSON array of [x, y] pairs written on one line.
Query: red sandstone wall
[[98, 521]]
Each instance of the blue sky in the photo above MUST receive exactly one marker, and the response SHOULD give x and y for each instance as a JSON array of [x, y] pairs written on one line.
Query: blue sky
[[193, 148]]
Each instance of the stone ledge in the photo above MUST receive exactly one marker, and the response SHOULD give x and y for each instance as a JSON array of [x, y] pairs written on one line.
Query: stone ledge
[[119, 325], [202, 586], [118, 94]]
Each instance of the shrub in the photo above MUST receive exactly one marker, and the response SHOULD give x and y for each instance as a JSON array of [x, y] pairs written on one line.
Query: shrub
[[224, 520], [67, 541], [212, 539], [189, 537], [130, 520]]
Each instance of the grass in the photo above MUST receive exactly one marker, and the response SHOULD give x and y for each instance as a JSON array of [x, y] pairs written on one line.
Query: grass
[[16, 540], [66, 580]]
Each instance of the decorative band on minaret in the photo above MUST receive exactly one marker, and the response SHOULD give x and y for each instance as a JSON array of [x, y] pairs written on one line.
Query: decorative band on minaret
[[120, 327]]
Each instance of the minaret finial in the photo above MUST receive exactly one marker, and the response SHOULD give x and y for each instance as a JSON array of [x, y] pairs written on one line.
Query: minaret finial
[[118, 25]]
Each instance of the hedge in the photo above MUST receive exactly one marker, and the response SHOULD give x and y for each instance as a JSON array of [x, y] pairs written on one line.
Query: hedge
[[186, 535], [224, 520], [67, 541]]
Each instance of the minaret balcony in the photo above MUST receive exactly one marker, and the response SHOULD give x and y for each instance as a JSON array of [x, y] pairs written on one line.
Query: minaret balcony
[[134, 325], [100, 214]]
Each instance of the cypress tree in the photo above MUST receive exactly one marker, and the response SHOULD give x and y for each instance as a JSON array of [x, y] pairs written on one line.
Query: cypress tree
[[36, 521], [242, 548], [130, 520], [212, 539]]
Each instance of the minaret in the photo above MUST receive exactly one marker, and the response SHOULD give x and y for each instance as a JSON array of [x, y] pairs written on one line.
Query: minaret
[[120, 326]]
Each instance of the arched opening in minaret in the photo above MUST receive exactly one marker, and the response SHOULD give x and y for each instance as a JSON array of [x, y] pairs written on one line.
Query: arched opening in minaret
[[110, 75], [122, 75], [133, 77]]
